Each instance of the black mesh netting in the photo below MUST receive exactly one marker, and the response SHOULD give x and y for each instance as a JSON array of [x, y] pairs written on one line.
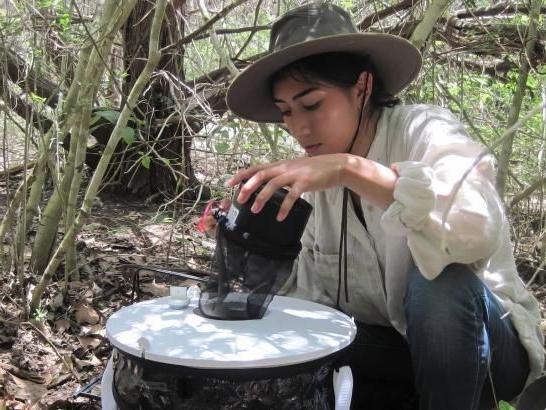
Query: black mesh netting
[[140, 384], [253, 258]]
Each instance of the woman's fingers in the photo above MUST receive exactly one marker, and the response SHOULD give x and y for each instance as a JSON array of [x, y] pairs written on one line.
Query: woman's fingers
[[250, 186], [268, 190], [289, 201], [257, 179], [286, 179], [245, 174], [300, 175]]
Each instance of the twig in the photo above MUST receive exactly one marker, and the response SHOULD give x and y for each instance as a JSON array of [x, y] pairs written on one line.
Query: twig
[[524, 193], [256, 14], [539, 269], [194, 34]]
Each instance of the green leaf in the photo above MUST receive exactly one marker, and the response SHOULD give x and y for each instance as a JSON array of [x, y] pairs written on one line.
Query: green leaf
[[64, 22], [145, 160], [128, 135], [36, 98], [221, 147], [108, 115], [505, 406]]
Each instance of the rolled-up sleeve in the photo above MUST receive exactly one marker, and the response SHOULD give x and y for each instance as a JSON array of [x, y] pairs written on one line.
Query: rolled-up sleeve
[[445, 202]]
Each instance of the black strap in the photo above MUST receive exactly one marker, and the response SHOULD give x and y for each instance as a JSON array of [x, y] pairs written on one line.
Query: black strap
[[343, 233], [358, 210], [343, 249]]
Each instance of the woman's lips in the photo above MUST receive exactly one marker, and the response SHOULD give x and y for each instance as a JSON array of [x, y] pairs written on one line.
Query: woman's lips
[[311, 149]]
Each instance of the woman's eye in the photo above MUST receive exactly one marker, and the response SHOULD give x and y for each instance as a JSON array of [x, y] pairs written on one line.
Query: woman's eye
[[285, 113], [312, 107]]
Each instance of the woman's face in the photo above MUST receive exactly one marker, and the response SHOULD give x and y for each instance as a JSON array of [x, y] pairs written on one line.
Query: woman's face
[[323, 118]]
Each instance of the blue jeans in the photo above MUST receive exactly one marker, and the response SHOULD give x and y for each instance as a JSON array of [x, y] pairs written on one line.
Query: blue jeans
[[459, 347]]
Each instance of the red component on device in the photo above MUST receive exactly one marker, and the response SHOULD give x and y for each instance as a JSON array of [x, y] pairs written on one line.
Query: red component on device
[[211, 205]]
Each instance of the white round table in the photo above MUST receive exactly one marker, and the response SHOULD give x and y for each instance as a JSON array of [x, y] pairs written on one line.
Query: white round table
[[292, 331]]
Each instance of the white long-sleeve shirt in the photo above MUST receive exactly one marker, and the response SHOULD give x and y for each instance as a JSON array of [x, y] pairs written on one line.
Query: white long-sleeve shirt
[[432, 151]]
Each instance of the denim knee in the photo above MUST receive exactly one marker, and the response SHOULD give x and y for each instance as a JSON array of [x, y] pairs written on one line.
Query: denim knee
[[457, 336], [446, 330], [455, 294]]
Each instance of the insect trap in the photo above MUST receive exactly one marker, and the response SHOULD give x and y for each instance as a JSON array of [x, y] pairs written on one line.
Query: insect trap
[[236, 344], [254, 257]]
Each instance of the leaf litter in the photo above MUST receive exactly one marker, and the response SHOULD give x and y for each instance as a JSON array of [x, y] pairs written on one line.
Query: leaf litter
[[43, 362]]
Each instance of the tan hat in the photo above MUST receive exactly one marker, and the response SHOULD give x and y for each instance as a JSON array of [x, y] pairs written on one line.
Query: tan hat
[[318, 28]]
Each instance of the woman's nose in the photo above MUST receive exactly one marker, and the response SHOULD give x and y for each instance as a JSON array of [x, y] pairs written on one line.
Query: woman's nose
[[300, 126]]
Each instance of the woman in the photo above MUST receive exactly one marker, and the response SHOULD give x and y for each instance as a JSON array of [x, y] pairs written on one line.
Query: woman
[[438, 301]]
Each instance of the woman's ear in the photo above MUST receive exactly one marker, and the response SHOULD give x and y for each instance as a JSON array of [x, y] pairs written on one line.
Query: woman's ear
[[364, 84]]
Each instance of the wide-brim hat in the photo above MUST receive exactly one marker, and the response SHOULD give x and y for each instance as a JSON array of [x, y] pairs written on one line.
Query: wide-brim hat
[[318, 28]]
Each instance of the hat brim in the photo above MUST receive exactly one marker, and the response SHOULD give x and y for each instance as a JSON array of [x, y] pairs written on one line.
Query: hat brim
[[397, 62]]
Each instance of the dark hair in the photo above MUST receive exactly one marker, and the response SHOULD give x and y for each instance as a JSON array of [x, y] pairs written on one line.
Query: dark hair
[[338, 69]]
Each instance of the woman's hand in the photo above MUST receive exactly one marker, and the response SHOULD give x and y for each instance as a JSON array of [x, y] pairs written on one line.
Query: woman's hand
[[299, 175]]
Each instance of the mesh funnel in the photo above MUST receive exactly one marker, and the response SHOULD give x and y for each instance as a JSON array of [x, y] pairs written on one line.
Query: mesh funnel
[[254, 257]]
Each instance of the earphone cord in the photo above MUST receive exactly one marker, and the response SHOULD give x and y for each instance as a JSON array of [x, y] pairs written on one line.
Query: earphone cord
[[343, 234]]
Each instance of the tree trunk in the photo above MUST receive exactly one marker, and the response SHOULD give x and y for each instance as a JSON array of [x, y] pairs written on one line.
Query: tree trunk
[[167, 142]]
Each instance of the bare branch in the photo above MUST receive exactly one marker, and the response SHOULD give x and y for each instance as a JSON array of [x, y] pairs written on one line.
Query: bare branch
[[205, 27], [525, 193], [368, 21]]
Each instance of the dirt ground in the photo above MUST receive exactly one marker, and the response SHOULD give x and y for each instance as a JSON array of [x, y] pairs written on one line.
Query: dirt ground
[[46, 360]]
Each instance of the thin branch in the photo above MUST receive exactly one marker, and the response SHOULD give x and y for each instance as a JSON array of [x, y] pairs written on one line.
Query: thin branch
[[525, 193], [205, 27], [537, 271], [224, 31], [368, 21], [475, 130], [247, 42]]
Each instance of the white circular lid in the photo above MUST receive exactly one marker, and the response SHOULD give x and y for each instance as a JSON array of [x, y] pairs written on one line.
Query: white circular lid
[[292, 331]]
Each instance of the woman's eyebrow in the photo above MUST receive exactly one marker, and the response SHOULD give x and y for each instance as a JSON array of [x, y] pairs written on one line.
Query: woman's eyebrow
[[298, 95]]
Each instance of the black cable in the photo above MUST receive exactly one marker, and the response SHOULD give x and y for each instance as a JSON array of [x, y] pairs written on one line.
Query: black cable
[[343, 233]]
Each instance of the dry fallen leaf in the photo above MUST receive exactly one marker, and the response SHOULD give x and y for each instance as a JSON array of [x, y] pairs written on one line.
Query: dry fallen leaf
[[89, 341], [86, 314], [96, 289], [26, 390], [98, 330], [62, 325], [57, 374], [57, 301], [91, 362], [58, 379], [21, 373]]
